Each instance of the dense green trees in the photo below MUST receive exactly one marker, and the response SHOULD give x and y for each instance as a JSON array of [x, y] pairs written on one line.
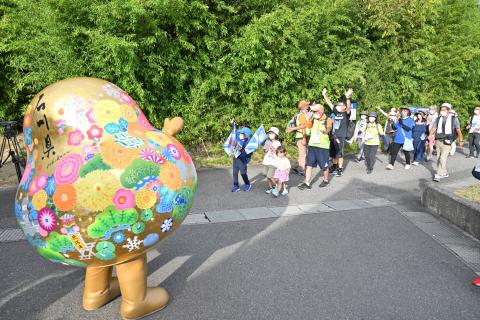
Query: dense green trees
[[210, 61]]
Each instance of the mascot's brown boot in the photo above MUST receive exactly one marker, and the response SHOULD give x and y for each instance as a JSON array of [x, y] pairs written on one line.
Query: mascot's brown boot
[[138, 300], [100, 287]]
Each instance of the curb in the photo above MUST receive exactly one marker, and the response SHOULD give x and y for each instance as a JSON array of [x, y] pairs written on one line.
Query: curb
[[441, 201]]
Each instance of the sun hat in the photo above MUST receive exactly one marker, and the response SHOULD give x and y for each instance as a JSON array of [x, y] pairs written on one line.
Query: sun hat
[[274, 130], [303, 104], [364, 113], [446, 105]]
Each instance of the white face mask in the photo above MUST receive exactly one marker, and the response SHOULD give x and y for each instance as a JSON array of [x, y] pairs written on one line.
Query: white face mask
[[363, 117], [444, 113], [371, 119], [404, 114], [339, 108], [242, 136], [316, 116], [477, 112], [271, 136], [432, 112]]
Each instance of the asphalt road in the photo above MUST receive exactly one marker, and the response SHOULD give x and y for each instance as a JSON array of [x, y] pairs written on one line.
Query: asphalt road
[[361, 264]]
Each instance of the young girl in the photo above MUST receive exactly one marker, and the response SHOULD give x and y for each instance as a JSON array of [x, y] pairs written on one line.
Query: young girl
[[420, 133], [282, 171], [270, 148], [373, 132]]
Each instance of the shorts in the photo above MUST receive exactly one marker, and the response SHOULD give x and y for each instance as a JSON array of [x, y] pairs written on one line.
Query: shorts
[[269, 171], [336, 148], [317, 156]]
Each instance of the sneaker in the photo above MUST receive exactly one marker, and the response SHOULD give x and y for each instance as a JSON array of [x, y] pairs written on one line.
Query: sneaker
[[304, 185], [407, 167], [339, 172], [415, 163], [247, 187], [369, 171], [446, 175], [390, 167], [437, 178], [275, 192], [235, 188], [323, 184], [429, 158], [332, 169], [469, 156], [269, 190], [284, 192]]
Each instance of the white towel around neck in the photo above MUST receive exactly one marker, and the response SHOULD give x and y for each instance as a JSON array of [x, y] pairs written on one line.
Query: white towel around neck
[[448, 125]]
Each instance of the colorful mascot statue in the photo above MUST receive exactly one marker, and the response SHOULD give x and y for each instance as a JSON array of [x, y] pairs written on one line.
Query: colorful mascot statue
[[101, 188]]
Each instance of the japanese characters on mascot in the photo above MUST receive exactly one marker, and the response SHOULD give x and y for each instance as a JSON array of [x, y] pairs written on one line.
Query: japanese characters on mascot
[[102, 187]]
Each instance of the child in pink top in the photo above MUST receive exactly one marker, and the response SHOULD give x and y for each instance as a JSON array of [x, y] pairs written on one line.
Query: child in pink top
[[282, 172]]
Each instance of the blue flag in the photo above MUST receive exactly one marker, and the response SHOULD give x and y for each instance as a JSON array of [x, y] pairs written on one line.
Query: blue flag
[[231, 141], [257, 140]]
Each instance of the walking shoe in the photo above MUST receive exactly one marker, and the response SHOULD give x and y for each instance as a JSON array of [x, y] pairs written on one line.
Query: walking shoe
[[333, 169], [437, 178], [303, 186], [390, 167], [429, 158], [269, 190], [339, 172], [446, 175], [476, 281], [407, 167], [284, 192], [323, 184], [247, 187], [415, 163], [235, 188], [275, 192], [369, 171], [469, 156]]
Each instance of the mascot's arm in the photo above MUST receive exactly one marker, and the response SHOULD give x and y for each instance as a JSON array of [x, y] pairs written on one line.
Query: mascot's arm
[[172, 126]]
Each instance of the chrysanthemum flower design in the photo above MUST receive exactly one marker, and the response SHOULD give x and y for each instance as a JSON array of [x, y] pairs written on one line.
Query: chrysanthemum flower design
[[116, 155], [96, 190], [65, 197], [47, 219]]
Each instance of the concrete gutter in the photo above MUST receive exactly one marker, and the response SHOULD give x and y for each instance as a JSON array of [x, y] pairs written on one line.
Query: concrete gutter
[[439, 199]]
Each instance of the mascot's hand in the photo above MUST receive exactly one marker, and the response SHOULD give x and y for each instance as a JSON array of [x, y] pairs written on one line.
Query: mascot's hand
[[172, 126]]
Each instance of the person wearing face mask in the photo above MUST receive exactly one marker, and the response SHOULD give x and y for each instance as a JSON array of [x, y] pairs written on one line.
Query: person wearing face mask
[[341, 114], [432, 116], [318, 147], [300, 124], [373, 133], [445, 130], [420, 134], [389, 131], [392, 110], [403, 132], [270, 148], [359, 135], [474, 133]]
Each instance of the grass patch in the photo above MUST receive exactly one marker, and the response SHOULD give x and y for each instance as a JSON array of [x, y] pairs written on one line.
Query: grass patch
[[471, 193]]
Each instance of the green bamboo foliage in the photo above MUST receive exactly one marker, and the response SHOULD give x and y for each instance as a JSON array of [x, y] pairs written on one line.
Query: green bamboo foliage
[[252, 60]]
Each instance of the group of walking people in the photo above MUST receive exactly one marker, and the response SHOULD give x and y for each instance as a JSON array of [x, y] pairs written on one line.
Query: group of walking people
[[321, 140]]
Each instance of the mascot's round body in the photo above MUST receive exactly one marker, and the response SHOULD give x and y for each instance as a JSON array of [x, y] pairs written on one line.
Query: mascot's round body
[[101, 185]]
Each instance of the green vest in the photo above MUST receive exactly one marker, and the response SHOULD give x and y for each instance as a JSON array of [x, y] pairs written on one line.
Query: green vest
[[317, 137]]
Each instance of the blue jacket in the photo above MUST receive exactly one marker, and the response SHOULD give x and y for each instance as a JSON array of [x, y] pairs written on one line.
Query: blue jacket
[[244, 157], [407, 126]]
